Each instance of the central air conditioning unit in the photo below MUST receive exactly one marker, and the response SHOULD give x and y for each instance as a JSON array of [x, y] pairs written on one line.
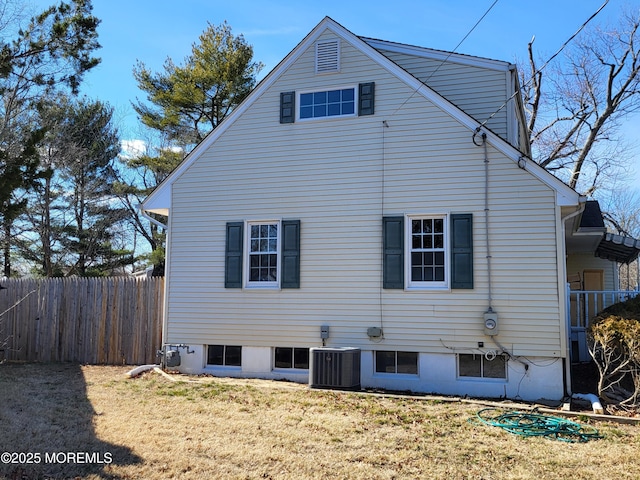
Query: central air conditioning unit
[[337, 368]]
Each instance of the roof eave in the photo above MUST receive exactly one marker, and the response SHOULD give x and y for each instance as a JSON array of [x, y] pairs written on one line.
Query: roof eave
[[161, 197]]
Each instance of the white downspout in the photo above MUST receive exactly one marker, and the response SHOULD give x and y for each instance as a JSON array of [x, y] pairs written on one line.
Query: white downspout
[[165, 301], [562, 288]]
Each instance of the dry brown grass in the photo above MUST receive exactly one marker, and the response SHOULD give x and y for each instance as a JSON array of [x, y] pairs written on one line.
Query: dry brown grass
[[235, 429]]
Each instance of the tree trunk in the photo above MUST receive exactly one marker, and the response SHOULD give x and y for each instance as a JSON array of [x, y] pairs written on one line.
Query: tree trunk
[[6, 247]]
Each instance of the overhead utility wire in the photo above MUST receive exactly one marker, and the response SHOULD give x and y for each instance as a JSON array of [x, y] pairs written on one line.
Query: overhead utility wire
[[461, 42], [449, 54], [564, 45]]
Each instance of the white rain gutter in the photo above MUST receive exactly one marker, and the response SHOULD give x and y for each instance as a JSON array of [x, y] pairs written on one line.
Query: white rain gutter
[[150, 218], [166, 295]]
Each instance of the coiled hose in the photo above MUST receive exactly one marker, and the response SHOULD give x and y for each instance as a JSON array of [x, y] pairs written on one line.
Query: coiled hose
[[531, 424]]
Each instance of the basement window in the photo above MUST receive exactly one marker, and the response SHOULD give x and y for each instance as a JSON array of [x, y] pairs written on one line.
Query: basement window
[[396, 362], [287, 357], [482, 366], [227, 355]]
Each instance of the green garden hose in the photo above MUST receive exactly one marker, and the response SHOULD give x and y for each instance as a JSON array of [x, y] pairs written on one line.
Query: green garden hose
[[530, 424]]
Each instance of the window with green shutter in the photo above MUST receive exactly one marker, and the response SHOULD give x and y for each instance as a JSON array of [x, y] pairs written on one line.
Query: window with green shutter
[[338, 102], [393, 252], [287, 107], [263, 254], [290, 254], [461, 251], [366, 97], [428, 251], [233, 255]]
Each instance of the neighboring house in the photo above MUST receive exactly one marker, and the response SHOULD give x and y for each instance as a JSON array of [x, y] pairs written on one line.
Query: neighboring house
[[373, 195]]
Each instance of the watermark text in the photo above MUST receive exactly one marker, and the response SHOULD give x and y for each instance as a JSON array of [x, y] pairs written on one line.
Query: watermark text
[[27, 458]]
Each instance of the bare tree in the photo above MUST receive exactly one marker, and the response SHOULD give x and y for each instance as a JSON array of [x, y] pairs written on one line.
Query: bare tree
[[575, 110], [622, 214]]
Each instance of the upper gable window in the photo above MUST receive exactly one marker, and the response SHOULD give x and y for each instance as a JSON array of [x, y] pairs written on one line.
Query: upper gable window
[[338, 102], [328, 103], [328, 56]]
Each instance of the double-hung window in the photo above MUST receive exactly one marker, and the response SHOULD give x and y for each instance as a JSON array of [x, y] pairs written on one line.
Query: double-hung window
[[428, 252], [263, 250], [262, 253]]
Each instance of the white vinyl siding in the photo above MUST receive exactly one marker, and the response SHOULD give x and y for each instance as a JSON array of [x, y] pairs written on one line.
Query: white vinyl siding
[[478, 91], [340, 179]]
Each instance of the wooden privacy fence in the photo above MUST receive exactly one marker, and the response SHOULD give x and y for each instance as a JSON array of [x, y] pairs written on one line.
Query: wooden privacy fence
[[99, 321]]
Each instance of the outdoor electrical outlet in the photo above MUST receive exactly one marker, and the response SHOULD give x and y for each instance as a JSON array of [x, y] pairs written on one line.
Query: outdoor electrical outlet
[[324, 332], [480, 344], [374, 332]]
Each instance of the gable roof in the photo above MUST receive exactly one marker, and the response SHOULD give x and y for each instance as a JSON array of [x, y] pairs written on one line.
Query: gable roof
[[159, 201], [441, 55]]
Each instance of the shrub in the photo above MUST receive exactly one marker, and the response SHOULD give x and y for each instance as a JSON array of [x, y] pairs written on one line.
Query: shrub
[[615, 347]]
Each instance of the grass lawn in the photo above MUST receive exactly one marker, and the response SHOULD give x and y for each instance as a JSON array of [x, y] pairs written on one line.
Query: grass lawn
[[71, 421]]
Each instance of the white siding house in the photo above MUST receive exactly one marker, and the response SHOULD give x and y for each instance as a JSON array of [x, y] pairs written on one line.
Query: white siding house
[[382, 191]]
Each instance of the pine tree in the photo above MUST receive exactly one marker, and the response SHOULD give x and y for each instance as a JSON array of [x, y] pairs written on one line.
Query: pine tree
[[53, 52], [185, 103], [72, 216]]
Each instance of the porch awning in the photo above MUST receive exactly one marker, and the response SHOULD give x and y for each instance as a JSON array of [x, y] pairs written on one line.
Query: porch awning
[[618, 248]]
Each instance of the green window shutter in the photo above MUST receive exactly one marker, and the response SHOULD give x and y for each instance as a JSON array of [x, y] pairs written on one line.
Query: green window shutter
[[461, 250], [366, 97], [233, 255], [290, 266], [287, 107], [393, 252]]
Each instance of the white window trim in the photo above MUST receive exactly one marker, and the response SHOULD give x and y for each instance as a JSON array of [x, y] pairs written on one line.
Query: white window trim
[[410, 285], [327, 89], [247, 255]]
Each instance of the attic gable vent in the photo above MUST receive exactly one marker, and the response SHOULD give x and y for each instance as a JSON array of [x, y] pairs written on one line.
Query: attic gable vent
[[328, 56]]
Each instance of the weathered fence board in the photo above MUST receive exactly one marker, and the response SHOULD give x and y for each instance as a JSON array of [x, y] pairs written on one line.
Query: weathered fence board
[[111, 321]]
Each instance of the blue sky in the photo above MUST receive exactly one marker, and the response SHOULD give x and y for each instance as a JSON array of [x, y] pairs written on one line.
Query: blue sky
[[152, 30]]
